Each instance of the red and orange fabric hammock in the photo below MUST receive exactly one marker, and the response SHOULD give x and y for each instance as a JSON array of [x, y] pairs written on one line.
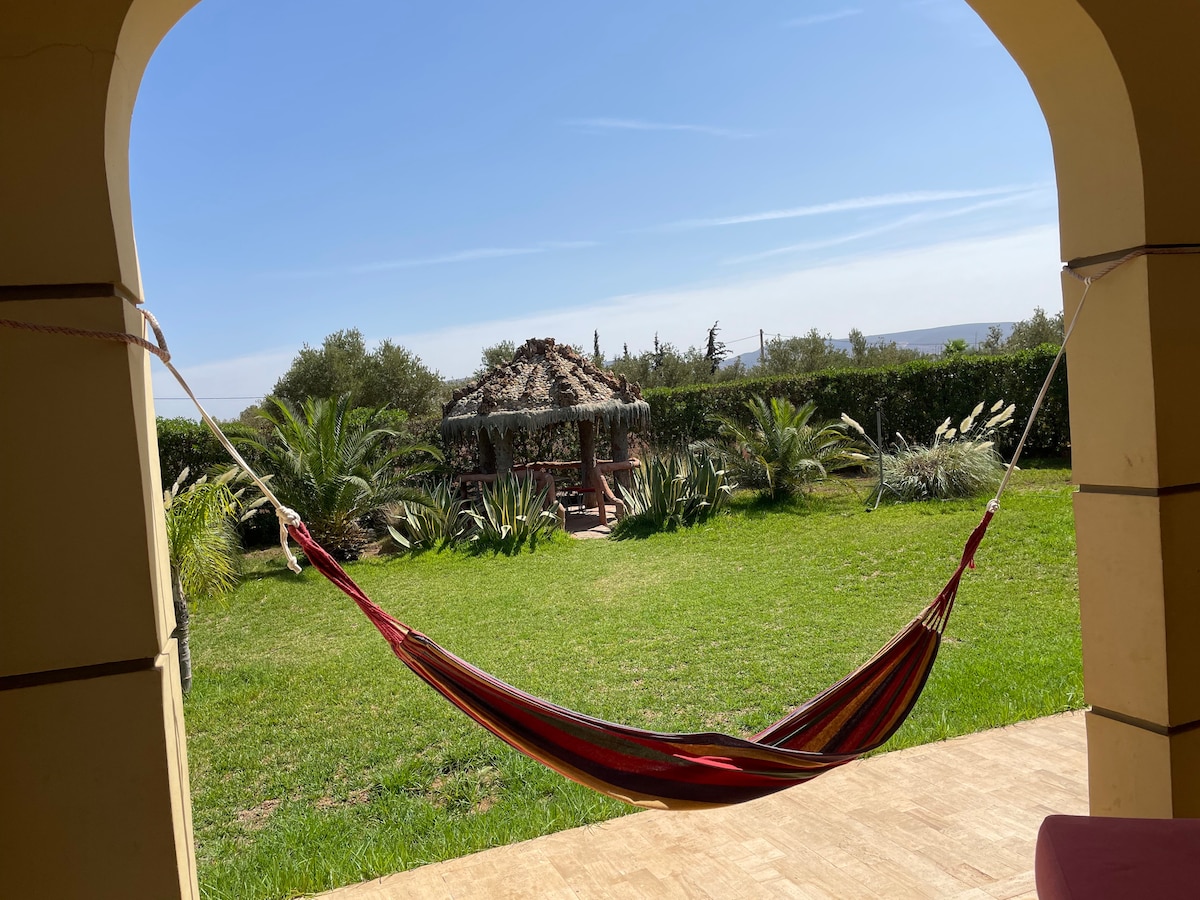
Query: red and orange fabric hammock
[[681, 771]]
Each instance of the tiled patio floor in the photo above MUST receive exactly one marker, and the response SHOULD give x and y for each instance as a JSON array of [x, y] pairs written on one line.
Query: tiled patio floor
[[952, 819]]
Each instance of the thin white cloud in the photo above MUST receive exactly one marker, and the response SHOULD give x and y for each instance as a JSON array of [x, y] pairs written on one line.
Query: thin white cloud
[[473, 255], [879, 201], [821, 18], [903, 222], [641, 125], [244, 376], [460, 256], [569, 245], [999, 278]]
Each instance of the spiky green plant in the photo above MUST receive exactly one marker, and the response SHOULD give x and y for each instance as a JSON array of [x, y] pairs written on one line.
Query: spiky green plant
[[672, 491], [512, 514], [440, 521], [334, 472], [959, 462], [782, 450], [203, 548]]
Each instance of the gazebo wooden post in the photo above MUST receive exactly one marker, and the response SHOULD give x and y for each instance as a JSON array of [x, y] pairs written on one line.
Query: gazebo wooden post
[[587, 458], [620, 453], [504, 453], [487, 452]]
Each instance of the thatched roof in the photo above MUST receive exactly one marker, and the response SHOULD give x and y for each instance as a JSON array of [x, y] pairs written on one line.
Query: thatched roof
[[546, 383]]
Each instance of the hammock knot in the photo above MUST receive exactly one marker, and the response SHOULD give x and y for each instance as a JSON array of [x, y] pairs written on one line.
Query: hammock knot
[[287, 517], [993, 505]]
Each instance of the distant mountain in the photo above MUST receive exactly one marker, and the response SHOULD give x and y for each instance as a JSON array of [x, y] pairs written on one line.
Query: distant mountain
[[927, 340]]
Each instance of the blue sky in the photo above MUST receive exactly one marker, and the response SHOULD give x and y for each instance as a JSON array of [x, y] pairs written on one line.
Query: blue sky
[[449, 176]]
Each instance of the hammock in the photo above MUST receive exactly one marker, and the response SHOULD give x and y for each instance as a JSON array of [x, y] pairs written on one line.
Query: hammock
[[680, 771], [646, 768]]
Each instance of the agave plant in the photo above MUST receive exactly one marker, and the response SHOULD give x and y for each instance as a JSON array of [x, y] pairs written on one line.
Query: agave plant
[[203, 548], [674, 490], [438, 522], [512, 513], [334, 471], [784, 451], [960, 461]]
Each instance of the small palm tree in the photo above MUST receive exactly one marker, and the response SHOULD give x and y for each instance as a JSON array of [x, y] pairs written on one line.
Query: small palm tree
[[334, 471], [203, 547], [785, 449]]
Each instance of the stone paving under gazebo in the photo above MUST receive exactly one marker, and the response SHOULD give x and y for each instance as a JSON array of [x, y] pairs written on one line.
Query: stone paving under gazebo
[[544, 385]]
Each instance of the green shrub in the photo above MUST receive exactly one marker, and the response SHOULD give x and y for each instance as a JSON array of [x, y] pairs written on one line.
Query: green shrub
[[911, 395], [438, 522], [512, 514], [673, 491]]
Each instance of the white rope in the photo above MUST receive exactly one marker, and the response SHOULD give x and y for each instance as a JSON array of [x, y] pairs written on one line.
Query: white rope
[[286, 515], [1041, 397]]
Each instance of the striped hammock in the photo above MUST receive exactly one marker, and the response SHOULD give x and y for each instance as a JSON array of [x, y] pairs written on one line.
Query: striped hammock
[[681, 771]]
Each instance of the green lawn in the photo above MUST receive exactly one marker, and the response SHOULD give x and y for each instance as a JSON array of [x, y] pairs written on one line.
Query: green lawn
[[317, 759]]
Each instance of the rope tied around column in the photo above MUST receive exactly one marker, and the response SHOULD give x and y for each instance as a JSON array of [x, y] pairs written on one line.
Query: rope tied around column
[[284, 514], [1088, 281]]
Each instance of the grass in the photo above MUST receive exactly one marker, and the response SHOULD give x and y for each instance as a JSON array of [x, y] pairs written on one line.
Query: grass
[[317, 759]]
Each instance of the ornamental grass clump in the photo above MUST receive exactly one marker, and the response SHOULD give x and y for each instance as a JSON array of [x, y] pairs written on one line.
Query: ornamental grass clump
[[960, 462], [673, 491], [512, 513]]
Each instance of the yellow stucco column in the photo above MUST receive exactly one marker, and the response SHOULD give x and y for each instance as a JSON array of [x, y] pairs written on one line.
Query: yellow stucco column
[[1119, 84], [94, 799]]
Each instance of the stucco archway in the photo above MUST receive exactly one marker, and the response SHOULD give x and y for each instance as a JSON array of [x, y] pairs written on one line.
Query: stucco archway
[[93, 770]]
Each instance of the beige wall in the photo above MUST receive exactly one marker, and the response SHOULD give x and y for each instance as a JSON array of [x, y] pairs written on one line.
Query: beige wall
[[1119, 84], [93, 772], [94, 795]]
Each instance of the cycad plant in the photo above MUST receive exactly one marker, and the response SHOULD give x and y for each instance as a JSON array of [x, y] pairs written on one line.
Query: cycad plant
[[203, 547], [675, 490], [512, 514], [334, 471], [783, 451]]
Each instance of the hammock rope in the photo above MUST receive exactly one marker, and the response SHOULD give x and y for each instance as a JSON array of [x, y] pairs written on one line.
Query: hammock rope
[[667, 771]]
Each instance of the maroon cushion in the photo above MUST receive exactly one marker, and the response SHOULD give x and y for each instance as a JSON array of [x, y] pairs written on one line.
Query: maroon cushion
[[1086, 858]]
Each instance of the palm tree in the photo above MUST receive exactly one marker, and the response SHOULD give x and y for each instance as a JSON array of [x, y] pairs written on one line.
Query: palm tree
[[786, 449], [333, 470], [203, 547]]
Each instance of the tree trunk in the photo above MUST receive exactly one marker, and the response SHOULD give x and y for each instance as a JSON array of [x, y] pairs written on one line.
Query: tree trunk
[[182, 634]]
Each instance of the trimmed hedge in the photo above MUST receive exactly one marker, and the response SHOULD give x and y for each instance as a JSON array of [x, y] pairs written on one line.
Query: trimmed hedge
[[917, 398], [188, 443], [184, 443]]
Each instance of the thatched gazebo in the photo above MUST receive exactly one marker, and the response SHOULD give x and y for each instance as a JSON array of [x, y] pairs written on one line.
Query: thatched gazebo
[[546, 384]]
